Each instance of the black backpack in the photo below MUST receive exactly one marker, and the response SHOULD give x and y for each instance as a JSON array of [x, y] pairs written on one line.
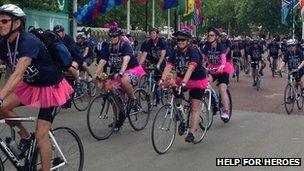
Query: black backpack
[[56, 48]]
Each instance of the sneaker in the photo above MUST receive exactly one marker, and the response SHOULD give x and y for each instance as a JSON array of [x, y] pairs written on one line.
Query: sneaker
[[133, 104], [254, 83], [24, 145], [189, 138], [225, 115], [181, 128]]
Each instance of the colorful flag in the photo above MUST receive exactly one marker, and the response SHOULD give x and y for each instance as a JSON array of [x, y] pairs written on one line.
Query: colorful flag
[[167, 4], [182, 7], [302, 9], [286, 6], [198, 14], [190, 7]]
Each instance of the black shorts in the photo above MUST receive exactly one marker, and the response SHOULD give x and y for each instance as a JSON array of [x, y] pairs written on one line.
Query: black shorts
[[221, 78], [300, 74], [254, 63], [194, 93], [47, 114]]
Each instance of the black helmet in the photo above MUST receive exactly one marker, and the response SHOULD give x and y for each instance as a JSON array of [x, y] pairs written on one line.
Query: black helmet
[[58, 28], [214, 30], [183, 33], [154, 29], [115, 31]]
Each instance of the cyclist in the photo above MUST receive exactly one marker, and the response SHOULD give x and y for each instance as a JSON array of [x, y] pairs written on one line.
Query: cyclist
[[191, 74], [255, 54], [295, 60], [36, 80], [237, 52], [247, 45], [220, 69], [274, 51], [120, 61]]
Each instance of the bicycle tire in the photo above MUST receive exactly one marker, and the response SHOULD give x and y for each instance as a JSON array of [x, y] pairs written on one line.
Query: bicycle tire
[[1, 166], [139, 117], [167, 120], [82, 102], [203, 124], [300, 99], [238, 73], [6, 131], [289, 99], [211, 112], [101, 131], [92, 89], [65, 148]]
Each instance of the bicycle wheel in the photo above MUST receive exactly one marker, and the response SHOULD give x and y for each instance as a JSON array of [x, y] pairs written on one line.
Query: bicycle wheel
[[211, 112], [1, 166], [230, 107], [165, 96], [6, 132], [300, 98], [82, 101], [143, 82], [200, 133], [71, 147], [100, 115], [163, 129], [139, 115], [289, 98], [237, 72], [92, 89]]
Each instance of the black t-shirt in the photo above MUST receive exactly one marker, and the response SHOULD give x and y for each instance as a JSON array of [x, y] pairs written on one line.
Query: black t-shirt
[[114, 56], [154, 49], [237, 50], [86, 44], [273, 48], [212, 54], [293, 60], [256, 53], [181, 62], [42, 71], [73, 48]]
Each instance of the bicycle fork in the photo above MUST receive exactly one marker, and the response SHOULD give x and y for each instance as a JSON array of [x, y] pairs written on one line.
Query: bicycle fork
[[55, 144]]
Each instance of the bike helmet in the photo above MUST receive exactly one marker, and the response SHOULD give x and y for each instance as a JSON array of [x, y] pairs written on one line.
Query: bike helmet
[[58, 28], [214, 30], [12, 10], [154, 29], [183, 33], [115, 31], [291, 42], [223, 34]]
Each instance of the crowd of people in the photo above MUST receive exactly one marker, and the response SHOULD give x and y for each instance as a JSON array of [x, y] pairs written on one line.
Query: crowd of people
[[37, 81]]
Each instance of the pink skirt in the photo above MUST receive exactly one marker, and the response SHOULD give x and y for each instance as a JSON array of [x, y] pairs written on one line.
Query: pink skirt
[[201, 84], [43, 97], [137, 71], [228, 68]]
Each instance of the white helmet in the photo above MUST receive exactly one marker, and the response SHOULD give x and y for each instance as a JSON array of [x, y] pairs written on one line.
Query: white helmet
[[13, 10], [292, 42]]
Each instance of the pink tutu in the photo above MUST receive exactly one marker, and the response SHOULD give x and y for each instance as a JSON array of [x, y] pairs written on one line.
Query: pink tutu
[[43, 97], [228, 68], [201, 84], [137, 71]]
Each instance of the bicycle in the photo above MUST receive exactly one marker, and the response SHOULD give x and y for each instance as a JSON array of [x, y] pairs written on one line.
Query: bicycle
[[149, 84], [214, 104], [63, 157], [104, 109], [292, 93], [237, 67], [258, 76], [273, 66], [166, 119]]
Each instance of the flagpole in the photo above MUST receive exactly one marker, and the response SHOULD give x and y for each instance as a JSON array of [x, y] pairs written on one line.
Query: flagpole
[[128, 16], [153, 13], [168, 23], [146, 16], [74, 19]]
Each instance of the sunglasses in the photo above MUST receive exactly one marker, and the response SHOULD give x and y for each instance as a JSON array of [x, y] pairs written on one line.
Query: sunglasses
[[211, 35], [5, 21], [181, 39], [113, 36]]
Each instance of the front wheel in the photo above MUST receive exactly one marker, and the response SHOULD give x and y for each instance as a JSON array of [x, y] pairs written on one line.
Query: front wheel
[[300, 99], [289, 98], [82, 98], [163, 129], [200, 133], [139, 114]]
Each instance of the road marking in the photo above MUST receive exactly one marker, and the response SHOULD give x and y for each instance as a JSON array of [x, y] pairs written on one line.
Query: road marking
[[273, 95]]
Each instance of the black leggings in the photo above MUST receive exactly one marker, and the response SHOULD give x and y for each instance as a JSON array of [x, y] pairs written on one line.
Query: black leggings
[[47, 114]]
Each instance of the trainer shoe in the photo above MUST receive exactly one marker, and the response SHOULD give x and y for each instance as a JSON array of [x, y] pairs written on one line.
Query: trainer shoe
[[189, 138]]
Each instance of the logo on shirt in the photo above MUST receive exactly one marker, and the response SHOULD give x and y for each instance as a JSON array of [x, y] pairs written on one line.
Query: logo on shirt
[[30, 73]]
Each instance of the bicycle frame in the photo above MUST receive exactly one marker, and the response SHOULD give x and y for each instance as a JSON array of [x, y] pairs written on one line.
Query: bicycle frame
[[28, 164]]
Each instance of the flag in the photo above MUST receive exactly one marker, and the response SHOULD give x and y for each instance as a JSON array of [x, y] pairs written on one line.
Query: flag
[[189, 7], [182, 7], [198, 15], [140, 2], [286, 6], [302, 9], [167, 4]]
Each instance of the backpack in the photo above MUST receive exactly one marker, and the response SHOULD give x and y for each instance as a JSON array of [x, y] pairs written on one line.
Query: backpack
[[56, 48]]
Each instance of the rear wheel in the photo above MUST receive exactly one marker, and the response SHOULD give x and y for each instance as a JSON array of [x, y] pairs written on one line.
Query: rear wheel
[[300, 99], [289, 98], [82, 98]]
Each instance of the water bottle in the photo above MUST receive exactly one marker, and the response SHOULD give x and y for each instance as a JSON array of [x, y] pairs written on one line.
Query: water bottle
[[13, 146]]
